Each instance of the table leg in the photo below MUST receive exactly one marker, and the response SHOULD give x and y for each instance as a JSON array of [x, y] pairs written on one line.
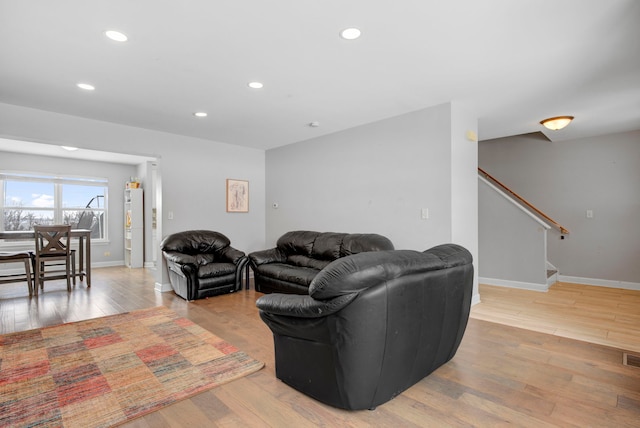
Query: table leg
[[88, 252], [81, 257]]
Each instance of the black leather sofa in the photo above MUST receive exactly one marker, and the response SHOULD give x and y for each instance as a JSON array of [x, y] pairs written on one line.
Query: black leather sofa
[[372, 325], [202, 263], [300, 255]]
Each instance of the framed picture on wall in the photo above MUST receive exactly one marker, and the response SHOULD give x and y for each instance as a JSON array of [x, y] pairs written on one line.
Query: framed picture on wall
[[237, 196]]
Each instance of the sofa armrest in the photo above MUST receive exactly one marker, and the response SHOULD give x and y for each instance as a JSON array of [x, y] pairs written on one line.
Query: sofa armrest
[[272, 255], [232, 255], [179, 258], [299, 306], [451, 255]]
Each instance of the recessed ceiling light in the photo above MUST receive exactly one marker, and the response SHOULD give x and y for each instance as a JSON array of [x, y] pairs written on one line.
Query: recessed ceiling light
[[350, 33], [255, 85], [116, 35], [69, 148], [200, 114], [86, 86]]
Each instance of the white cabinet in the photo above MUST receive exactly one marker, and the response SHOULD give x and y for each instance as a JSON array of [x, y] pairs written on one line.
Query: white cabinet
[[133, 228]]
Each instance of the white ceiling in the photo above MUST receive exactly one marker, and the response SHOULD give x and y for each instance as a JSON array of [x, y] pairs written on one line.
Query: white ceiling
[[7, 145], [513, 62]]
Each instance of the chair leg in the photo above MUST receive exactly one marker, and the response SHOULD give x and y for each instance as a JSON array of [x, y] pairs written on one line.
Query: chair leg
[[27, 271], [68, 270], [37, 283], [41, 276], [73, 270]]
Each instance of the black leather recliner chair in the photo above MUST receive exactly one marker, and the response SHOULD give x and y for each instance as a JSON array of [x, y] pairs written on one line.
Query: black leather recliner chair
[[373, 324], [202, 263]]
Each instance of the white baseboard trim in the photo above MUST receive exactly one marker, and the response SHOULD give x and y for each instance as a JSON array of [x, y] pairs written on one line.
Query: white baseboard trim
[[514, 284], [475, 299], [162, 288], [600, 282], [106, 264]]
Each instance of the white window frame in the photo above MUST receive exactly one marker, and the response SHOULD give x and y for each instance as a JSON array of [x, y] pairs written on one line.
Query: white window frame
[[58, 181]]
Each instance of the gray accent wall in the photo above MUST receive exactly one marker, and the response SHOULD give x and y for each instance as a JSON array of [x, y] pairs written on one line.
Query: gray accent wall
[[564, 179], [377, 178]]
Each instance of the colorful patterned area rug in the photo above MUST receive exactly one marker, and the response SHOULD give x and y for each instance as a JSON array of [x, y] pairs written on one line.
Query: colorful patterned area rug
[[106, 371]]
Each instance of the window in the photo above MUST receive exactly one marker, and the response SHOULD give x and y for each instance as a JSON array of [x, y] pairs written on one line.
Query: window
[[28, 199]]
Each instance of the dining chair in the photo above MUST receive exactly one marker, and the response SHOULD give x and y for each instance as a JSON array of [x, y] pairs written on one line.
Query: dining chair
[[16, 257], [52, 248]]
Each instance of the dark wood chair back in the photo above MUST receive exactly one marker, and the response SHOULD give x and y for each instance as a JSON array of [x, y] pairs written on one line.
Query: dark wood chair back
[[53, 244], [17, 257]]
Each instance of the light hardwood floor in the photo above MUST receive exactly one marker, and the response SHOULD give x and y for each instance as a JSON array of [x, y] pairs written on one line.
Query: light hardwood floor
[[607, 316], [501, 375]]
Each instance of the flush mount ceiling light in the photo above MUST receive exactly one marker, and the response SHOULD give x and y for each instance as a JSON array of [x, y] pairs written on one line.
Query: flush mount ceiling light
[[69, 148], [255, 85], [555, 123], [116, 35], [86, 86], [350, 33], [200, 114]]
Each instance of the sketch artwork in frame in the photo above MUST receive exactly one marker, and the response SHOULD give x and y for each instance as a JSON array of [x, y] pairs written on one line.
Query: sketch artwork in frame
[[237, 196]]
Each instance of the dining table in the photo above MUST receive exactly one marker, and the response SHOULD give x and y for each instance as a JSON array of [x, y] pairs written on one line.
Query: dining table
[[84, 247]]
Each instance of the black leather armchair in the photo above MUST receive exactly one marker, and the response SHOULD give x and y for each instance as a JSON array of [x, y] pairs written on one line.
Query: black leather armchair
[[373, 324], [202, 263]]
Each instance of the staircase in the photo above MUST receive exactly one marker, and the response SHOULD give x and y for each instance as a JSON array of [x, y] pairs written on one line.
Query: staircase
[[513, 238]]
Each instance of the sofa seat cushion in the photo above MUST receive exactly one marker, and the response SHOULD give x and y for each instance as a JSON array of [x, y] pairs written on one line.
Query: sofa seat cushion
[[304, 261], [223, 283], [183, 259], [211, 270], [285, 272]]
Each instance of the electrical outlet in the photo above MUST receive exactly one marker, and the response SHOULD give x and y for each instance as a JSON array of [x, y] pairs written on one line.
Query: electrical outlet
[[589, 213], [424, 213], [107, 253]]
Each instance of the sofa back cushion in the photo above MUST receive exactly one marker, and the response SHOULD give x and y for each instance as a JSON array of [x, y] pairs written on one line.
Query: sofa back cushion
[[363, 242], [195, 242], [327, 246], [297, 242], [358, 272]]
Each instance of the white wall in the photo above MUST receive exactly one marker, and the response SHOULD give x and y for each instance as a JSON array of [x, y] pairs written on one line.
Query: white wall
[[565, 179], [464, 189], [117, 174], [376, 178], [193, 171], [513, 244], [373, 178]]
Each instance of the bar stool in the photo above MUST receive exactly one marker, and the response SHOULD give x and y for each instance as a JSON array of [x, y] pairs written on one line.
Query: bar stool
[[15, 257]]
